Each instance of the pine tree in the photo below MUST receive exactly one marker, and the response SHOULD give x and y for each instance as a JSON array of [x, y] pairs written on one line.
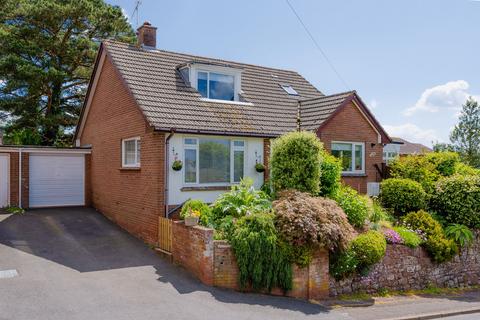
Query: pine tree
[[47, 50], [466, 134]]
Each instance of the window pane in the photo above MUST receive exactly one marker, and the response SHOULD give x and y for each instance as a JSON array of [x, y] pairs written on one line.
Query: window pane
[[184, 73], [343, 151], [358, 157], [190, 166], [214, 160], [202, 83], [129, 152], [221, 87], [238, 158], [138, 151], [238, 143], [191, 141]]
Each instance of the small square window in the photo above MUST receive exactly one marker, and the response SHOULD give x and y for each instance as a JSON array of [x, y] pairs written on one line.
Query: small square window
[[289, 89], [131, 153]]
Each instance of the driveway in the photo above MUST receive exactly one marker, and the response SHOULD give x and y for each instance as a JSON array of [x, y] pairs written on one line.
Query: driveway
[[75, 264]]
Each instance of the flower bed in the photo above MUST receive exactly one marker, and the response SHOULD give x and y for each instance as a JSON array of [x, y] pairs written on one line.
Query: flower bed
[[213, 262]]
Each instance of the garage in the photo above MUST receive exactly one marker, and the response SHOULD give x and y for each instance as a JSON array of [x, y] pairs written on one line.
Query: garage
[[56, 180]]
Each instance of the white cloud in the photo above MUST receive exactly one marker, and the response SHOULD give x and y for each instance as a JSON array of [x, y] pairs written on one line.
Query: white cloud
[[413, 133], [449, 96]]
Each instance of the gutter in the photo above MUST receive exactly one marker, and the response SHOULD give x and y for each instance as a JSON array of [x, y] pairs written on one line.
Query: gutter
[[167, 162]]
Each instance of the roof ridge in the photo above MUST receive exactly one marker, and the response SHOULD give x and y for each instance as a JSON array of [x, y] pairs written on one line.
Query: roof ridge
[[329, 96]]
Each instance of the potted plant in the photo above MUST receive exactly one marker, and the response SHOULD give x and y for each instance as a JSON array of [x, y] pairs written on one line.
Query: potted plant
[[259, 167], [192, 217], [177, 165]]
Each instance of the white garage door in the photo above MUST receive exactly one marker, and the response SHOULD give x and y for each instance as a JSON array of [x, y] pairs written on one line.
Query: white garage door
[[4, 179], [57, 180]]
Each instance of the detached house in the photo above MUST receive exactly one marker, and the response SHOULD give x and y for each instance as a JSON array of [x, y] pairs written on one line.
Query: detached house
[[146, 108]]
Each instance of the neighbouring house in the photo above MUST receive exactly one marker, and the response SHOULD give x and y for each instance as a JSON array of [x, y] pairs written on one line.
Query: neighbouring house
[[402, 147], [146, 108]]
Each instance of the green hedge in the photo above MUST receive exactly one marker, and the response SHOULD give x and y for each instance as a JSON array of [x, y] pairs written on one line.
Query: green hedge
[[331, 170], [457, 199], [296, 162], [402, 195]]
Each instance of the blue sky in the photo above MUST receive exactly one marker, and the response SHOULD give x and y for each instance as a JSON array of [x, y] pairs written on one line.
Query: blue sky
[[414, 62]]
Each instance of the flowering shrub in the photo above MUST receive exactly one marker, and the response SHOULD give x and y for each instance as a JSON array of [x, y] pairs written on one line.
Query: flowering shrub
[[409, 237], [392, 236]]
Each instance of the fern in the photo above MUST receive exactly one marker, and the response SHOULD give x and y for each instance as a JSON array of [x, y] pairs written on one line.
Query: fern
[[460, 234]]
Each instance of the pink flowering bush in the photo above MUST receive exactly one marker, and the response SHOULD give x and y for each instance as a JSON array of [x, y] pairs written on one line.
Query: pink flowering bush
[[392, 236]]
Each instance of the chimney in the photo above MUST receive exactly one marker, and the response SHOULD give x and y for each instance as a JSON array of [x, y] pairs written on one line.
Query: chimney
[[147, 35]]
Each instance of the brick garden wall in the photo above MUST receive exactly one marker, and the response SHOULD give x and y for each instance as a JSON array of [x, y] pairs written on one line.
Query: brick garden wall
[[213, 262], [404, 268], [133, 198], [350, 125]]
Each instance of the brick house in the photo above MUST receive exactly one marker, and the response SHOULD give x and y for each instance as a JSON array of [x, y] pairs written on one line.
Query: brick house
[[146, 108]]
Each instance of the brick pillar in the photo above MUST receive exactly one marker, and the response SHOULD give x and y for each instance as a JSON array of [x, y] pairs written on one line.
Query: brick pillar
[[25, 179], [266, 159], [14, 178]]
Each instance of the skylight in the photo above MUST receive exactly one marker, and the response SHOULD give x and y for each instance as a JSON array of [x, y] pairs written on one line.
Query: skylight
[[289, 89]]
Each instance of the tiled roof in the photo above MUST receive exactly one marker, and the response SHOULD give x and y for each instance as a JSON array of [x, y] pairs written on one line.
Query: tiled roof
[[407, 147], [168, 103], [315, 111]]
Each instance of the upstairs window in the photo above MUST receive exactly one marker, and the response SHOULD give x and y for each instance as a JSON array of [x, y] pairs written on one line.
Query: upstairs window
[[213, 85], [131, 153], [351, 155]]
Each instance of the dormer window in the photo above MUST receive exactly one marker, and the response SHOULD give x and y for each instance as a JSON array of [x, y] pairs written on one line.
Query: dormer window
[[214, 82], [213, 85]]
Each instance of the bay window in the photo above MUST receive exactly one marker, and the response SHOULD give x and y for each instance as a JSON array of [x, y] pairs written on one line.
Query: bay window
[[213, 160], [351, 155]]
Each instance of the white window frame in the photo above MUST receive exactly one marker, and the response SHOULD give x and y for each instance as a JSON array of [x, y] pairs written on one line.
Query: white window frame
[[236, 73], [196, 147], [353, 171], [137, 156]]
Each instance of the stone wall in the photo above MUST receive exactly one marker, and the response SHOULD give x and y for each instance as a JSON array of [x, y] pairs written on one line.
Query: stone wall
[[213, 262], [404, 268]]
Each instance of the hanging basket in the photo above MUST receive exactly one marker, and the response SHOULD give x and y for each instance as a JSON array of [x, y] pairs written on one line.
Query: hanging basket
[[177, 165], [259, 167]]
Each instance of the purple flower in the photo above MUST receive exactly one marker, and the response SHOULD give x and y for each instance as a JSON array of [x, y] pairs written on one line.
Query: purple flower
[[392, 236]]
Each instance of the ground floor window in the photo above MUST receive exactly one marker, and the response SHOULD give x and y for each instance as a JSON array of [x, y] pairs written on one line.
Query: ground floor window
[[351, 155], [213, 160], [389, 156]]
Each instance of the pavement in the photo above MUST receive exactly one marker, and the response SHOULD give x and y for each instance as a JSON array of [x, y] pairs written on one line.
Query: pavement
[[75, 264]]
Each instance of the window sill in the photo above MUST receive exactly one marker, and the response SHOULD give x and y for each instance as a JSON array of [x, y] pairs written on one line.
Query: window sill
[[206, 188], [227, 102], [354, 175], [129, 169]]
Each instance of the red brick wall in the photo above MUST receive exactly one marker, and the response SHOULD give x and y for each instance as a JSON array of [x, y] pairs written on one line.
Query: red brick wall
[[213, 262], [350, 125], [13, 178], [133, 198], [266, 159], [25, 179]]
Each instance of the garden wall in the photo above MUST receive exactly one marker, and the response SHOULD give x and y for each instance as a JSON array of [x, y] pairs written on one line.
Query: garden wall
[[213, 262], [404, 268]]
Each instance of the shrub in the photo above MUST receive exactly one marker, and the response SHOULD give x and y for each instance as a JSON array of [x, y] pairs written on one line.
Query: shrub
[[392, 236], [461, 234], [262, 262], [243, 199], [343, 264], [369, 248], [331, 170], [416, 168], [303, 220], [376, 212], [402, 195], [296, 162], [354, 205], [465, 170], [440, 248], [444, 162], [423, 221], [410, 238], [200, 206], [457, 199]]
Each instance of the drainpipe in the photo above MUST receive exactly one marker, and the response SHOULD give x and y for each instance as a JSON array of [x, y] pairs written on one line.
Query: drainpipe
[[167, 158], [19, 177]]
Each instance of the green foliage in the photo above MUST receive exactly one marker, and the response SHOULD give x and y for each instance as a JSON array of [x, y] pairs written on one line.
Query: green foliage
[[23, 136], [443, 162], [369, 247], [461, 234], [47, 50], [262, 262], [402, 195], [410, 238], [466, 170], [416, 168], [331, 170], [354, 205], [14, 210], [296, 162], [377, 212], [306, 221], [243, 199], [343, 264], [466, 134], [457, 199], [200, 206], [440, 248]]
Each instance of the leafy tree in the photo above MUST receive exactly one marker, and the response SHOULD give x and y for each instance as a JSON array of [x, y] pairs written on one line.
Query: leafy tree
[[466, 134], [47, 49]]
